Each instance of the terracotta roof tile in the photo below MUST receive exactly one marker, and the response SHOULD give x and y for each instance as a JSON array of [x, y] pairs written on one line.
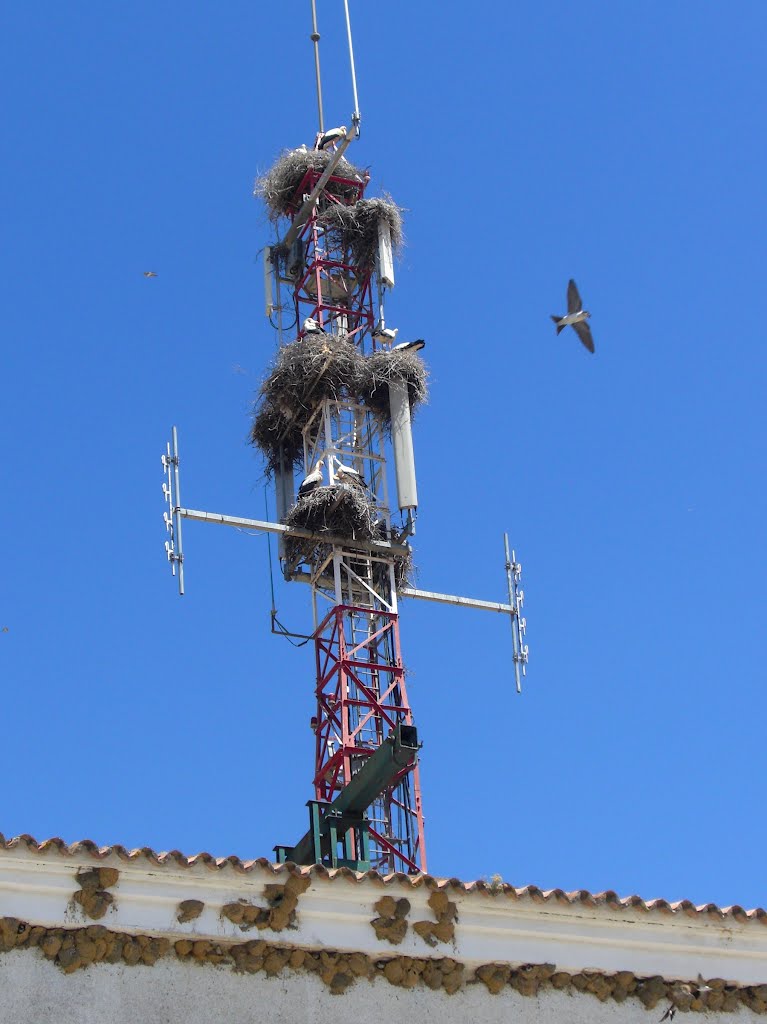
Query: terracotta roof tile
[[583, 897]]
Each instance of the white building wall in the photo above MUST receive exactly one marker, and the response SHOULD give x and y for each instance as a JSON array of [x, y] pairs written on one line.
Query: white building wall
[[89, 935], [171, 992]]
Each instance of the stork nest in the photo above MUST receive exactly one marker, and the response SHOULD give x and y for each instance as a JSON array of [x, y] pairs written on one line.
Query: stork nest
[[355, 228], [279, 437], [341, 510], [344, 511], [380, 369], [303, 374], [278, 185]]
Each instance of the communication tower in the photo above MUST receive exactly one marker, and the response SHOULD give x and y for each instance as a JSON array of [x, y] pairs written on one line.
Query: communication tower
[[338, 401]]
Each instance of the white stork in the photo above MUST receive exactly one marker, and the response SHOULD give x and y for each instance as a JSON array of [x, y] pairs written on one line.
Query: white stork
[[385, 334], [330, 138], [312, 481], [410, 346], [311, 326], [345, 474]]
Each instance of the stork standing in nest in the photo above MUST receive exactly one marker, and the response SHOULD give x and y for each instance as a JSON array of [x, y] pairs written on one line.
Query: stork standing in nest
[[347, 475], [312, 481]]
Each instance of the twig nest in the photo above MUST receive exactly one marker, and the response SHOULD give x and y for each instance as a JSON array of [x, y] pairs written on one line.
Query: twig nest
[[338, 509], [278, 437], [341, 510], [354, 228], [404, 571], [380, 369], [278, 185], [307, 371], [303, 373]]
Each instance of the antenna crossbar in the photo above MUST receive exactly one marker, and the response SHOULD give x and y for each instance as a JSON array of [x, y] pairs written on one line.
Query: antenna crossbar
[[382, 546], [461, 602]]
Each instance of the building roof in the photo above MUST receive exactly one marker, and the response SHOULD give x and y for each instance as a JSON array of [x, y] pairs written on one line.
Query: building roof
[[81, 904], [582, 897]]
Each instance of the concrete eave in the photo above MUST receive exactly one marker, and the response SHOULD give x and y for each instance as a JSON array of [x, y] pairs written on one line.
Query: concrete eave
[[335, 913]]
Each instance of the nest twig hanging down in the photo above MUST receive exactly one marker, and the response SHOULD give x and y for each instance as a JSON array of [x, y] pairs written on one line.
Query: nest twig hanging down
[[274, 433], [344, 511], [278, 185], [303, 374], [404, 571], [355, 228], [380, 369]]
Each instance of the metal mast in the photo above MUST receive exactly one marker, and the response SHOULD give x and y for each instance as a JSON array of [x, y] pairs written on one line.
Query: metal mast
[[334, 410], [360, 691]]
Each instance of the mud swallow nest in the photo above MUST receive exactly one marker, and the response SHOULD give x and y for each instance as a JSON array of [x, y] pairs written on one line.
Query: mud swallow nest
[[277, 186]]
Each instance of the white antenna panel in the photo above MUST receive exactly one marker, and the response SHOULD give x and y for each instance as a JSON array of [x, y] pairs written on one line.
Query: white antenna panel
[[385, 256], [268, 282], [284, 486], [402, 446]]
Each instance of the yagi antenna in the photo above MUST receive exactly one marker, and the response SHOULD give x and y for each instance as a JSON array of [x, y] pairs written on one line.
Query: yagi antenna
[[518, 624], [172, 517]]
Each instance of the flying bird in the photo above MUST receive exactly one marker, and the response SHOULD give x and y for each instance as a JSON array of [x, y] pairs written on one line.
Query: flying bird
[[410, 346], [669, 1014], [312, 327], [149, 273], [312, 481], [575, 317], [330, 138]]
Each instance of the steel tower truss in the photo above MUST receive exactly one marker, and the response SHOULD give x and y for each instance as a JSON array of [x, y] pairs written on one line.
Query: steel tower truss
[[330, 287], [360, 688]]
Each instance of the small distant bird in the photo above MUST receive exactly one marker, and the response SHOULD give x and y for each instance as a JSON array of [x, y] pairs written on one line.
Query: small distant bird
[[312, 327], [330, 138], [149, 273], [410, 346], [312, 481], [386, 333], [702, 987], [575, 317], [669, 1014], [4, 629], [301, 149]]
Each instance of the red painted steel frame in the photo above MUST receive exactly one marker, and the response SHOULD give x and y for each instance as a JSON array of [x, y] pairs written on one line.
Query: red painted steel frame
[[361, 698], [358, 309], [361, 694]]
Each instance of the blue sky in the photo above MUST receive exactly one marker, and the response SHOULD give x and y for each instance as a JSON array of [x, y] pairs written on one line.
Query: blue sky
[[622, 145]]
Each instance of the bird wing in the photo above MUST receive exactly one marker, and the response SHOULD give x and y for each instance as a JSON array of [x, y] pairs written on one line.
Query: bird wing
[[574, 304], [583, 331]]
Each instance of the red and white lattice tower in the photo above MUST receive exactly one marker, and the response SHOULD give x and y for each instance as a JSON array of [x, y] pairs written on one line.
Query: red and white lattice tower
[[360, 680]]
